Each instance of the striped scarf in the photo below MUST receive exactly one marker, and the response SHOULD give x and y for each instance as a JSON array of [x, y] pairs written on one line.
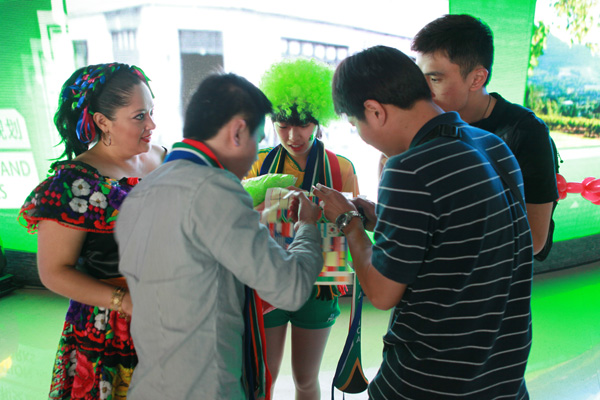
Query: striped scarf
[[256, 373], [322, 166]]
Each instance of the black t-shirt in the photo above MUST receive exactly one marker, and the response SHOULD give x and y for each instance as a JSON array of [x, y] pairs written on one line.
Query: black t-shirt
[[528, 138]]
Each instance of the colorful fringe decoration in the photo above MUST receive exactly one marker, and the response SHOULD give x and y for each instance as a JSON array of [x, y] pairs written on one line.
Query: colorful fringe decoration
[[277, 218], [86, 129], [322, 167], [91, 80], [256, 371]]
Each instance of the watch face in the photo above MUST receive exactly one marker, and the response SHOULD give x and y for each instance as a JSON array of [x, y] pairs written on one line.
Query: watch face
[[341, 220], [344, 219]]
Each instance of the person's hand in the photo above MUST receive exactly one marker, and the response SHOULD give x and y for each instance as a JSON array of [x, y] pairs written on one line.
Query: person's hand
[[294, 189], [127, 305], [332, 202], [303, 210], [368, 211]]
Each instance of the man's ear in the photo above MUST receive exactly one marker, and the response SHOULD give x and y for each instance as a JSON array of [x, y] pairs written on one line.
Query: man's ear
[[480, 76], [101, 120], [238, 131], [376, 111]]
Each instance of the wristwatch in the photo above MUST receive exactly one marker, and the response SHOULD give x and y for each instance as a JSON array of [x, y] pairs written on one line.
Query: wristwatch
[[344, 219]]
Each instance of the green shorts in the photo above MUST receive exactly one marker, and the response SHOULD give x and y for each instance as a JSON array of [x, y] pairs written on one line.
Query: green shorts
[[314, 314]]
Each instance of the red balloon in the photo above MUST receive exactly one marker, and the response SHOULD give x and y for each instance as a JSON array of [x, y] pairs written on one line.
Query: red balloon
[[562, 195], [561, 183], [587, 180], [574, 187], [593, 186], [593, 197]]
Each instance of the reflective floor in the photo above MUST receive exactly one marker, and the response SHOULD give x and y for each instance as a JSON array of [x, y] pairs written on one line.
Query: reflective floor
[[564, 363]]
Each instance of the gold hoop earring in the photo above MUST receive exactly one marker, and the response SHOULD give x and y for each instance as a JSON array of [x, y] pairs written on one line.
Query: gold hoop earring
[[104, 140]]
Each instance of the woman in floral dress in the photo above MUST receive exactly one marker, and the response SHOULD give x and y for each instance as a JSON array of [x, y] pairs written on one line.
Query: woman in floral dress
[[105, 122]]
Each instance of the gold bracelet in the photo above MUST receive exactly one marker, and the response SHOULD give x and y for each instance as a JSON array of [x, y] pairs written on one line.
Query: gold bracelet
[[116, 299]]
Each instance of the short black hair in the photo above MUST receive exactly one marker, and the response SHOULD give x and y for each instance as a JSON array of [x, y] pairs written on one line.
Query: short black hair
[[467, 42], [218, 99], [380, 73]]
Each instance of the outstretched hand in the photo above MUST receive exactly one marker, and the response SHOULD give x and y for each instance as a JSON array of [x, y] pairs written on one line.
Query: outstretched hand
[[302, 209], [367, 209], [332, 202]]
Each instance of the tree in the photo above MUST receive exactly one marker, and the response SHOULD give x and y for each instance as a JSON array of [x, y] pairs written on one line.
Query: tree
[[538, 44], [579, 20]]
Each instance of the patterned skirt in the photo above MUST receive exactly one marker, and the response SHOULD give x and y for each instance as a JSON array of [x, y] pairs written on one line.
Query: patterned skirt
[[95, 358]]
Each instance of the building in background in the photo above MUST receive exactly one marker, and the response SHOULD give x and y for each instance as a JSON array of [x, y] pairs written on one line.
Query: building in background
[[178, 43]]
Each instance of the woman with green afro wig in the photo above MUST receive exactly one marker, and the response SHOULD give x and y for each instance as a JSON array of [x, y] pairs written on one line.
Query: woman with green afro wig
[[300, 91]]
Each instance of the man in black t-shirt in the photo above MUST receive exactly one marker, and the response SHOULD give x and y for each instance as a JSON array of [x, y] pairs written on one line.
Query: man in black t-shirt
[[456, 52]]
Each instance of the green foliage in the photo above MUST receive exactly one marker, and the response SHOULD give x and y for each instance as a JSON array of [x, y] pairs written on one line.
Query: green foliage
[[568, 96], [586, 126], [571, 96], [538, 44], [579, 20]]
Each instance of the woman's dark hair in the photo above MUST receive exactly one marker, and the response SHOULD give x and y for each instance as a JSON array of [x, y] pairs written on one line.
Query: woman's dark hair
[[378, 73], [293, 118], [217, 100], [102, 88]]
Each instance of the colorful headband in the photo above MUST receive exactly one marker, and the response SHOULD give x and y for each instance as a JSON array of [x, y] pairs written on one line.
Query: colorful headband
[[142, 75], [91, 80], [303, 83]]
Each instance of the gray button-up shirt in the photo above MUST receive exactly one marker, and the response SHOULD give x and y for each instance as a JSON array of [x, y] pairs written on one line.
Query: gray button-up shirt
[[189, 240]]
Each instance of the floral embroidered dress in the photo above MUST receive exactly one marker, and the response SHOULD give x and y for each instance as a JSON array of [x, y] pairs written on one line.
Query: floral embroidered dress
[[95, 358]]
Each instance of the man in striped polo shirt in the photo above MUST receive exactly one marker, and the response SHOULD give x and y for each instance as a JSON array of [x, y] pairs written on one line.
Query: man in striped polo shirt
[[452, 252]]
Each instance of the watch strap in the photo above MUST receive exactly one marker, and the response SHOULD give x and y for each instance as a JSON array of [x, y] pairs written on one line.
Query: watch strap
[[344, 219]]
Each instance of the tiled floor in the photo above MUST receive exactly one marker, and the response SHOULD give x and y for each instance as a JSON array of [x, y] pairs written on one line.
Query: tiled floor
[[564, 363]]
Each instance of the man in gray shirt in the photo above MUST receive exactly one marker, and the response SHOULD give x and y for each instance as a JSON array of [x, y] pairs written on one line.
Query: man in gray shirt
[[191, 246]]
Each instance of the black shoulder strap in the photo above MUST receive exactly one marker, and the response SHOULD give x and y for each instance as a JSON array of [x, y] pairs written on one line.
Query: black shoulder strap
[[508, 180]]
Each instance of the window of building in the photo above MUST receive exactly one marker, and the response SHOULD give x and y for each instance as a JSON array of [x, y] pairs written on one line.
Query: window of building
[[80, 52], [329, 53], [125, 47]]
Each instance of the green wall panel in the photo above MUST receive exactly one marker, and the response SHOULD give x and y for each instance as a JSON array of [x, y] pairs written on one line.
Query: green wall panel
[[511, 22]]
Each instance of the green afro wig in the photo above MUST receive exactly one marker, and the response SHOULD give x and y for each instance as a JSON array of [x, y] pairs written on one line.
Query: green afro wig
[[300, 90]]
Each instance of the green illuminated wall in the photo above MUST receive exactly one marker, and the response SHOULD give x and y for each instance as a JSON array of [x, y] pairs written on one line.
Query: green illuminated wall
[[34, 53], [511, 22]]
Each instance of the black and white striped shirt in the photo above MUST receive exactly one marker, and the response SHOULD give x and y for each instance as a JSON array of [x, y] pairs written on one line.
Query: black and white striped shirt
[[454, 233]]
